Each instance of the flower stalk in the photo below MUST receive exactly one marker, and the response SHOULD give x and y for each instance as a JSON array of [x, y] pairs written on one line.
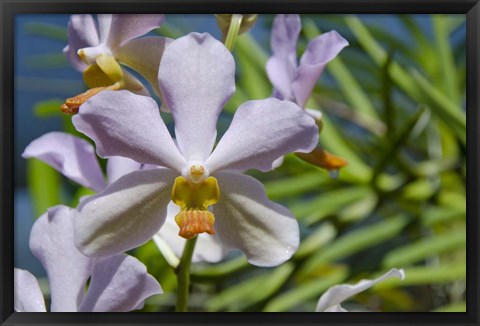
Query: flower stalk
[[233, 31], [183, 275]]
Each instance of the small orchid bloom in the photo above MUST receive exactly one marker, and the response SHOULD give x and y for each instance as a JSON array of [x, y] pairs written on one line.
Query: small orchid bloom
[[331, 300], [196, 77], [295, 81], [76, 159], [98, 52], [117, 283]]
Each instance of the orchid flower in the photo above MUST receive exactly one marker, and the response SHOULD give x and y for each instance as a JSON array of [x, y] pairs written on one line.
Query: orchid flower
[[75, 158], [97, 52], [117, 283], [331, 300], [196, 77], [295, 81]]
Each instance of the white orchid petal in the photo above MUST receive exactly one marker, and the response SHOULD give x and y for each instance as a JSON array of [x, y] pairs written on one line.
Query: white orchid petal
[[125, 215], [262, 131], [118, 166], [282, 65], [119, 283], [319, 52], [125, 27], [197, 77], [51, 241], [333, 297], [246, 219], [143, 55], [104, 22], [82, 33], [27, 296], [124, 124], [72, 156]]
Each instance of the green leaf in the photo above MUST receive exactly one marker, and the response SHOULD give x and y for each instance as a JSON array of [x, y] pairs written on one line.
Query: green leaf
[[356, 170], [253, 81], [360, 209], [440, 215], [412, 82], [311, 211], [424, 49], [44, 184], [251, 291], [424, 275], [295, 184], [47, 30], [251, 50], [356, 241], [311, 290], [441, 28], [48, 108], [47, 61], [218, 271], [317, 240], [451, 114], [394, 144], [453, 307], [419, 190], [424, 248]]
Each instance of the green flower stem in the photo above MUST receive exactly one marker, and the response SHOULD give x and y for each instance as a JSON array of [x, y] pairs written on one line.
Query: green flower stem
[[233, 30], [183, 275]]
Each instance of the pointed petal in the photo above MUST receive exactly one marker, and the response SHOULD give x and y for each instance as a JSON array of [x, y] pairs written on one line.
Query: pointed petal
[[125, 215], [124, 27], [119, 284], [51, 241], [143, 55], [27, 294], [118, 166], [82, 33], [104, 22], [319, 52], [246, 219], [124, 124], [207, 248], [72, 156], [197, 77], [282, 66], [262, 131], [330, 301]]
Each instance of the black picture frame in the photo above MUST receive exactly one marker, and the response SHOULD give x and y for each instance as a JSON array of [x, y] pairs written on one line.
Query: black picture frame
[[10, 8]]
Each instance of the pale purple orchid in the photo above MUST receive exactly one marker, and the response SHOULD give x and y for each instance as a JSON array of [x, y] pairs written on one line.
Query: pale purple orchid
[[196, 77], [76, 159], [117, 283], [96, 49], [291, 80], [295, 81], [331, 300]]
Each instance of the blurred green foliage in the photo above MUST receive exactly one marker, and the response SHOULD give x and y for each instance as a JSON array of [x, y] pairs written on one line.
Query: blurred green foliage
[[394, 108]]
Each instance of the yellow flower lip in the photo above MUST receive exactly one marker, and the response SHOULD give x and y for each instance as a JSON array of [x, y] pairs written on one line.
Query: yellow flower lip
[[194, 199], [105, 74]]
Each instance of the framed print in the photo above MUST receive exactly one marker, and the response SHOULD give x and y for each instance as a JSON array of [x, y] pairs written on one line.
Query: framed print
[[224, 163]]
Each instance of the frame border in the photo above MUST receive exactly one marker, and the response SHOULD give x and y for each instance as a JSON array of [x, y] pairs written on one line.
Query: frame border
[[10, 8]]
